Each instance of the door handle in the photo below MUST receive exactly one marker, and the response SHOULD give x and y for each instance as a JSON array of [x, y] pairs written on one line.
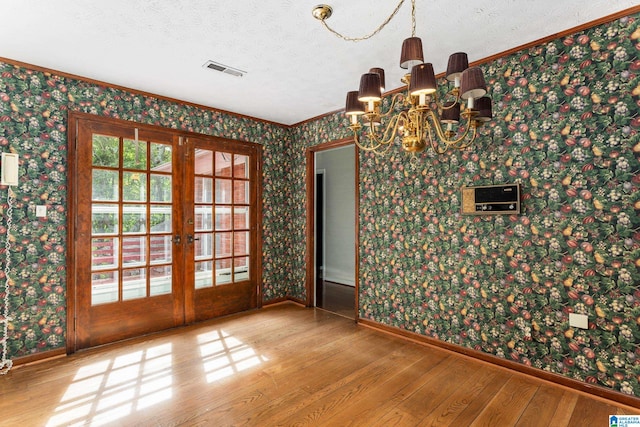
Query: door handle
[[191, 239], [177, 239]]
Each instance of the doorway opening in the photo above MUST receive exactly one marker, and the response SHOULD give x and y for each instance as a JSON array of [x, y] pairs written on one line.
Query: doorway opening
[[332, 189]]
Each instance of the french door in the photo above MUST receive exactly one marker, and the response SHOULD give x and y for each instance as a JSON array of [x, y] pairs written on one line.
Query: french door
[[223, 197], [163, 229]]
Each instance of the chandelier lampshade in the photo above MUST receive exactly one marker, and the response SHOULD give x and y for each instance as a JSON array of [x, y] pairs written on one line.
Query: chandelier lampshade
[[472, 84], [450, 113], [370, 88], [411, 53], [380, 73], [353, 106], [423, 80], [483, 106], [458, 62]]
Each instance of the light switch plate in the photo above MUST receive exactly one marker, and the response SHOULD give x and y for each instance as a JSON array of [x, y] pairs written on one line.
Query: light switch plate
[[579, 320], [41, 211]]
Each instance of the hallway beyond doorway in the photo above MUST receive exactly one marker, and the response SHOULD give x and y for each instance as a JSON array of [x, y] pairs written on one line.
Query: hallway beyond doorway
[[338, 298]]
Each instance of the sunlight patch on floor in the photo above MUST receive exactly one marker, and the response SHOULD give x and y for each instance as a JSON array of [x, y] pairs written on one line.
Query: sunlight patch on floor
[[224, 355], [111, 389]]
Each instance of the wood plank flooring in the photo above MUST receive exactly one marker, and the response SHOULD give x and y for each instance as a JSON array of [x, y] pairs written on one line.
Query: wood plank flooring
[[284, 365], [338, 298]]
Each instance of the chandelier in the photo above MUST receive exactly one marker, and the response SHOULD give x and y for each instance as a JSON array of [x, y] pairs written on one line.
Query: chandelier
[[416, 115]]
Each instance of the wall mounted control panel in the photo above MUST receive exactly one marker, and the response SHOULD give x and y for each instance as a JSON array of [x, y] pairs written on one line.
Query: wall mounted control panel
[[491, 199]]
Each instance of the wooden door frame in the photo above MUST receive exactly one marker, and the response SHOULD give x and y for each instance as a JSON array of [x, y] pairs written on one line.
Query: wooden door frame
[[310, 186], [319, 173], [73, 119]]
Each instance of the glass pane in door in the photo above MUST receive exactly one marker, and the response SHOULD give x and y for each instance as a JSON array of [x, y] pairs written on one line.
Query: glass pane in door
[[134, 187], [204, 274], [203, 218], [160, 249], [134, 154], [241, 166], [241, 192], [161, 279], [104, 287], [222, 188], [241, 243], [104, 253], [241, 217], [104, 219], [134, 251], [105, 151], [223, 164], [223, 191], [160, 188], [241, 268], [223, 272], [131, 215], [105, 185], [134, 284]]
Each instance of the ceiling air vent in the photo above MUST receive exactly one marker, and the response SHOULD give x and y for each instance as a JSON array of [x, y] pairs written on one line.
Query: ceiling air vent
[[224, 68]]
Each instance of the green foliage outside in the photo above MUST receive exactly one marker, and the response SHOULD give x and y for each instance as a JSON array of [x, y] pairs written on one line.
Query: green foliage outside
[[107, 158]]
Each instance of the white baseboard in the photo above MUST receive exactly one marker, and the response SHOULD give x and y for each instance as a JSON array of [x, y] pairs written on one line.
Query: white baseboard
[[340, 278]]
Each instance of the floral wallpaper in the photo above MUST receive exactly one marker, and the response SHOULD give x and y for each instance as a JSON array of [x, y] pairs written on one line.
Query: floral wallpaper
[[565, 127], [325, 129], [566, 123], [33, 123]]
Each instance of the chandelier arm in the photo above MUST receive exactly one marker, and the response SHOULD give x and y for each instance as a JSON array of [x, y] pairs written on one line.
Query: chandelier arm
[[386, 138], [377, 30], [389, 133], [474, 128], [453, 142], [433, 141], [373, 149], [355, 127], [391, 109], [453, 97], [384, 151], [356, 139], [392, 133]]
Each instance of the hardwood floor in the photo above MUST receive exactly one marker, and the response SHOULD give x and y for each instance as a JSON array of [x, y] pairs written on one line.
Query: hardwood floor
[[285, 365], [338, 298]]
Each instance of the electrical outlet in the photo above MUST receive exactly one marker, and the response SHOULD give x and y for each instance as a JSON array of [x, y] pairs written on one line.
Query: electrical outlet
[[41, 211], [579, 320]]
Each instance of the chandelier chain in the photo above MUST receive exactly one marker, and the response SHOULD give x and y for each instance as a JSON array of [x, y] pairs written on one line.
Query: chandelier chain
[[377, 30], [413, 18]]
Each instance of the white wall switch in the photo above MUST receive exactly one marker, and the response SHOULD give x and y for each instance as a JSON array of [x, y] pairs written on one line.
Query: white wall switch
[[41, 211], [579, 320]]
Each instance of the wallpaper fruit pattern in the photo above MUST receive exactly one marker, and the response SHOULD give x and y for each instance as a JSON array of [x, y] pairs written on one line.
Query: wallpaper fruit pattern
[[33, 123], [566, 123], [566, 128]]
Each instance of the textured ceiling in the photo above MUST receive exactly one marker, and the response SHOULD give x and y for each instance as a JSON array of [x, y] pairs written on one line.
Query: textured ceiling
[[295, 68]]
